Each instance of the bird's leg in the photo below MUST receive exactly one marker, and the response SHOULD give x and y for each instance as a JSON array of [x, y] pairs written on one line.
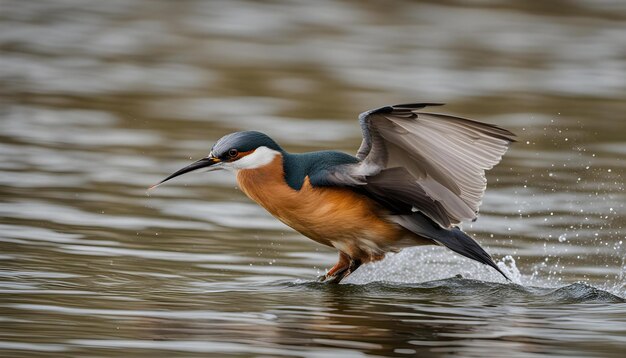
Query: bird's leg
[[338, 270], [354, 264]]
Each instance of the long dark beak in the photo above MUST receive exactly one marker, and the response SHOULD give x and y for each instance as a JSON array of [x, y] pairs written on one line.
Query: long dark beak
[[202, 163]]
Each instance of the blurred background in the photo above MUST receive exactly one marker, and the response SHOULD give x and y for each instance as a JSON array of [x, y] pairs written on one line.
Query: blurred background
[[100, 99]]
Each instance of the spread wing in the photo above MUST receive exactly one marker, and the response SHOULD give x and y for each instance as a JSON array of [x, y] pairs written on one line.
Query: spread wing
[[427, 162]]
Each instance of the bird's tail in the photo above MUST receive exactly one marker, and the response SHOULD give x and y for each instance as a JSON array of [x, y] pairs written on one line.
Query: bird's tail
[[454, 239]]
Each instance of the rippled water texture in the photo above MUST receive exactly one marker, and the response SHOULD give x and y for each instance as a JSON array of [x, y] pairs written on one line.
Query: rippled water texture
[[100, 99]]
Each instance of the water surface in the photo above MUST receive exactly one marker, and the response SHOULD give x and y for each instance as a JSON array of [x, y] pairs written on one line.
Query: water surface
[[100, 100]]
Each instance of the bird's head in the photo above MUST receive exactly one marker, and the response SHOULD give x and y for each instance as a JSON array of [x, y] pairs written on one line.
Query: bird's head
[[235, 151]]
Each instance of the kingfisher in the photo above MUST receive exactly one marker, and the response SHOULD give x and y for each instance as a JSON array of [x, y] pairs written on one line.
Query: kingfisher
[[416, 176]]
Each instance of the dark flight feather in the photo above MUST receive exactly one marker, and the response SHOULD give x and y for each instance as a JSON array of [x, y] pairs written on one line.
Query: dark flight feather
[[453, 238]]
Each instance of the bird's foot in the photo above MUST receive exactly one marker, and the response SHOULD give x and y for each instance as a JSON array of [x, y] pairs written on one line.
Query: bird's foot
[[337, 272], [337, 275], [331, 279]]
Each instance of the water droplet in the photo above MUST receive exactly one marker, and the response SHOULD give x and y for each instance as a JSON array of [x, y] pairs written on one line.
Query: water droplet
[[563, 238]]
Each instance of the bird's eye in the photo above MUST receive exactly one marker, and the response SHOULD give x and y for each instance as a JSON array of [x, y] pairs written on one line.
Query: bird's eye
[[233, 153]]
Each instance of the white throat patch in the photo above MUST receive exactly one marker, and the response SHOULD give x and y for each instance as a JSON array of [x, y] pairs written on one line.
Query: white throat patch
[[262, 156]]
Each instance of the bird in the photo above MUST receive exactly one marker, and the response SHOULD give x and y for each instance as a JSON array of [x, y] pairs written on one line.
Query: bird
[[415, 177]]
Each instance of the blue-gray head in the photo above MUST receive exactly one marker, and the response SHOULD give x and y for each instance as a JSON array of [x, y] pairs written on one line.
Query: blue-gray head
[[239, 150]]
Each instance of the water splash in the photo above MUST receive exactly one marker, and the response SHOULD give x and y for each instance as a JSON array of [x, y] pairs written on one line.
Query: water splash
[[421, 264], [418, 266], [508, 266]]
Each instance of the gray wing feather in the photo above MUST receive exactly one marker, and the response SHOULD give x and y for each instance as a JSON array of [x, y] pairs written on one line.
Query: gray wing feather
[[444, 158]]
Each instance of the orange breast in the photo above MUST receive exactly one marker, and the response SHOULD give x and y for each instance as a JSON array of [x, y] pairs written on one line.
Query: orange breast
[[337, 217]]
